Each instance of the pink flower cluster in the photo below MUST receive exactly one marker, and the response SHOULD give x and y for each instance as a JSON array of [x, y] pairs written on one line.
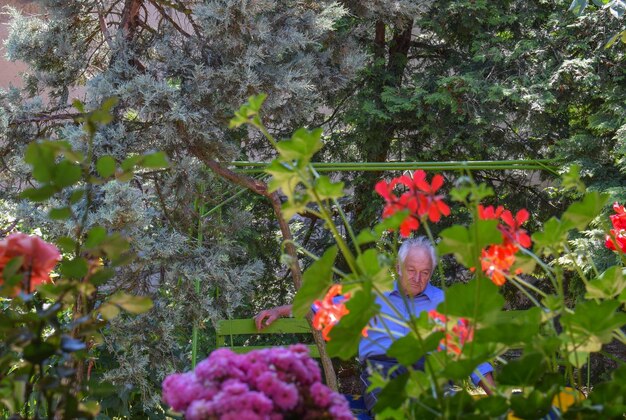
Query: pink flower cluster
[[274, 383]]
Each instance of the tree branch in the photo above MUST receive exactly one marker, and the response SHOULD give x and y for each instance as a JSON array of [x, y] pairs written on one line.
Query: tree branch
[[260, 188], [167, 17]]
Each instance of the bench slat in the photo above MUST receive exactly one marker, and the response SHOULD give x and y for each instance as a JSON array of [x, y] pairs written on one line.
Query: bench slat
[[313, 351], [227, 327]]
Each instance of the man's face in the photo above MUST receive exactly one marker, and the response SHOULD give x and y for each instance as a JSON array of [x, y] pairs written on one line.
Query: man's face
[[416, 271]]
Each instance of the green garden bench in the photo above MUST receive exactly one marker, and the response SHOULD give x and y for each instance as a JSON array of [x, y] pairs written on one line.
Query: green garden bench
[[227, 329]]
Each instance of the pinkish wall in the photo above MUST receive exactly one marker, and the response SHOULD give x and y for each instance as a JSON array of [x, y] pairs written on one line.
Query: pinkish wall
[[9, 71]]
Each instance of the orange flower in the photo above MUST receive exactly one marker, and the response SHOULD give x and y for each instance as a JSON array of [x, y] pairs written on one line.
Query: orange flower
[[330, 310], [455, 339], [496, 260], [39, 257]]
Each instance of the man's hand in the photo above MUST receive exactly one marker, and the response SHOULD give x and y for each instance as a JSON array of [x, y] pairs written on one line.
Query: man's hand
[[266, 317]]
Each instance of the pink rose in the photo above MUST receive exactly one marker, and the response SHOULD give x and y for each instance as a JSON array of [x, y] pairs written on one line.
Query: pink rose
[[40, 257]]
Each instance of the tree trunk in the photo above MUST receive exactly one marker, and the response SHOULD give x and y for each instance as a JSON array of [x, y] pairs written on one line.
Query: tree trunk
[[376, 135]]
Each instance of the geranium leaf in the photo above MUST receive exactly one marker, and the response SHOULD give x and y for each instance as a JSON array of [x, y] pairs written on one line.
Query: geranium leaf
[[315, 281], [476, 300], [608, 285], [326, 189], [583, 212]]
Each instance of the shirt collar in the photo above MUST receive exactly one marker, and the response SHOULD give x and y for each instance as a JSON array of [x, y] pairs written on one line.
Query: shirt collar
[[430, 291]]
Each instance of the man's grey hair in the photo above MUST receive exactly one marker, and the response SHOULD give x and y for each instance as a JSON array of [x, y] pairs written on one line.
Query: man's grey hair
[[421, 242]]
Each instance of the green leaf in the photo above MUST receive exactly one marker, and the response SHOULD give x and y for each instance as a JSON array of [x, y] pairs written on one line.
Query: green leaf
[[591, 325], [553, 237], [106, 166], [74, 269], [492, 406], [366, 236], [60, 213], [66, 244], [36, 353], [535, 405], [608, 285], [583, 212], [76, 196], [114, 245], [315, 282], [39, 194], [12, 267], [103, 114], [477, 300], [41, 157], [409, 349], [129, 163], [109, 311], [511, 328], [77, 103], [247, 111], [130, 303], [523, 264], [326, 189], [101, 276], [95, 236], [302, 145], [571, 179], [463, 242], [394, 394], [67, 173], [156, 160], [456, 240], [370, 266], [525, 371]]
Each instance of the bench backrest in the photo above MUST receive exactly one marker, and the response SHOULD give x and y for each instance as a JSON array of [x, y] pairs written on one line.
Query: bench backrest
[[228, 328]]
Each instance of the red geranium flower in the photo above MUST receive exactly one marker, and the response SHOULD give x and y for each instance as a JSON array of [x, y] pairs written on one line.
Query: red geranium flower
[[619, 218], [330, 310], [430, 203], [420, 200], [489, 212], [512, 232], [496, 260], [39, 257], [619, 236]]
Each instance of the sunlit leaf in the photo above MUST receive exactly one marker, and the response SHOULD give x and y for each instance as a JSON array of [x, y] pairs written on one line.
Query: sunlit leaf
[[315, 282]]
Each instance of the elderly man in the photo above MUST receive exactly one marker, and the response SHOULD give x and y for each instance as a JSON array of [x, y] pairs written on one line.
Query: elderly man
[[411, 295]]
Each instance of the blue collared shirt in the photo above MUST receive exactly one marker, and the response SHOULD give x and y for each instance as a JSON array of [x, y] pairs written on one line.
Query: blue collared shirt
[[377, 342]]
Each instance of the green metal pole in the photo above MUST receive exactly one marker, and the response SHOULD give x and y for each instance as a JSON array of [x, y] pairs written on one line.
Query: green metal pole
[[199, 207]]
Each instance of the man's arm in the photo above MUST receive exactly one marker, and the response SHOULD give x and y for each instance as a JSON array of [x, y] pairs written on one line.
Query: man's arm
[[483, 377], [271, 315], [487, 383]]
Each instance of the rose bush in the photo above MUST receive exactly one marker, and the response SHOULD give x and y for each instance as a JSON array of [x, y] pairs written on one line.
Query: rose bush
[[556, 338], [48, 329], [37, 259]]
